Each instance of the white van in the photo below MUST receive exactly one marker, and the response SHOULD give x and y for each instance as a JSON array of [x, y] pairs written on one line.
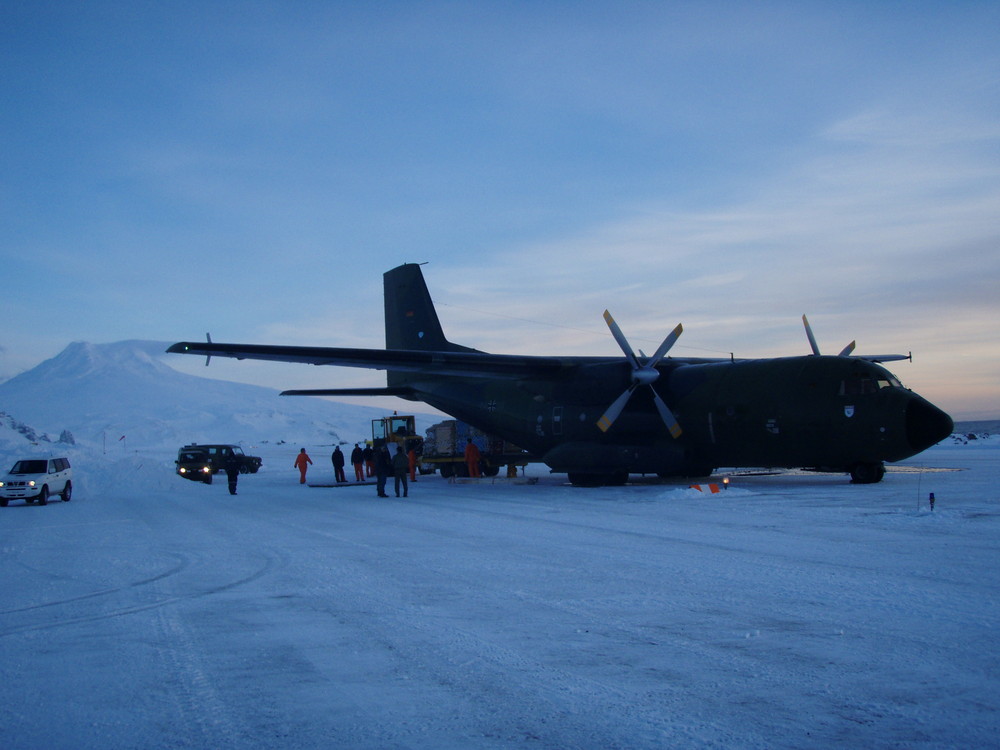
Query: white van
[[38, 479]]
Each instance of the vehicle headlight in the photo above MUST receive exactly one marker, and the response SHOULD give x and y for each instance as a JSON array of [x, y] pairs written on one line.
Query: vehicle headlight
[[1, 484], [182, 470], [31, 483], [206, 469]]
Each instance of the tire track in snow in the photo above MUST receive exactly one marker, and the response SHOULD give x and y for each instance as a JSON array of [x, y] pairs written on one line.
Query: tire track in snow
[[58, 621], [182, 563], [201, 710]]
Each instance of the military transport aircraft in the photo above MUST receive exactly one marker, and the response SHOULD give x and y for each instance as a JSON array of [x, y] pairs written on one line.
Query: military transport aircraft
[[601, 418]]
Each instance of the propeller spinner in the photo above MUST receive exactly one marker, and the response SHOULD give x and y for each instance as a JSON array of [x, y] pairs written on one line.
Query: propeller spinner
[[642, 374]]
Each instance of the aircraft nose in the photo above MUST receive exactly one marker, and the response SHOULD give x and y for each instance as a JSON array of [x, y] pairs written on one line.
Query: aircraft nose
[[926, 425]]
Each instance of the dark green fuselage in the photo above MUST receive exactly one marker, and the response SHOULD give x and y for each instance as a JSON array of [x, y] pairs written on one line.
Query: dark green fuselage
[[809, 411]]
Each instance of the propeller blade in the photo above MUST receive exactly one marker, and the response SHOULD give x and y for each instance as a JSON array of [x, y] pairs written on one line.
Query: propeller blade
[[609, 417], [668, 342], [845, 352], [622, 341], [668, 416], [809, 333]]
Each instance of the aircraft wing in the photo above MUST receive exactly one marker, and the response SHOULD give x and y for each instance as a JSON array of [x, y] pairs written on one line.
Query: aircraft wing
[[466, 363], [878, 358]]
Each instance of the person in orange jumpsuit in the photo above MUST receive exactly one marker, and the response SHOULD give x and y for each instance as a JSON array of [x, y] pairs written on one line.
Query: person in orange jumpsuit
[[412, 458], [302, 462], [472, 457]]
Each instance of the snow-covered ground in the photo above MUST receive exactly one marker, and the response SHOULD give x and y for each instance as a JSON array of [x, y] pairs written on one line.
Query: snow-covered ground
[[788, 611]]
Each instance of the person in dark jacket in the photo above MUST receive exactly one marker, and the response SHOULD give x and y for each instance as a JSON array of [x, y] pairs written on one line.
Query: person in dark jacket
[[338, 465], [358, 461], [383, 467], [232, 467], [369, 456], [400, 470]]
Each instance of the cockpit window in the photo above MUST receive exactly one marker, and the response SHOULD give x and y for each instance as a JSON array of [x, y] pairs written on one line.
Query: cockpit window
[[857, 386], [864, 385]]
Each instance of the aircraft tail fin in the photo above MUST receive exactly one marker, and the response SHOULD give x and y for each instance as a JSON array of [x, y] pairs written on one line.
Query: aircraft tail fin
[[411, 322]]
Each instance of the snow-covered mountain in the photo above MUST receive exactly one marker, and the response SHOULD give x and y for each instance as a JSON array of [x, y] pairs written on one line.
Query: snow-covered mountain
[[100, 392]]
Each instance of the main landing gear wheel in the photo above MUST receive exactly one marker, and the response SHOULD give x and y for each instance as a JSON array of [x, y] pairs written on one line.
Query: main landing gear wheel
[[867, 473]]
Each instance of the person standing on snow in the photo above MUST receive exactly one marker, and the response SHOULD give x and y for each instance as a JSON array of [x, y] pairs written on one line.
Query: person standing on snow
[[411, 455], [369, 455], [232, 467], [338, 465], [400, 468], [302, 462], [383, 467], [472, 457], [358, 460]]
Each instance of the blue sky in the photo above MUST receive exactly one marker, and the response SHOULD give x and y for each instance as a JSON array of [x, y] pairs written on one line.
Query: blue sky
[[251, 169]]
